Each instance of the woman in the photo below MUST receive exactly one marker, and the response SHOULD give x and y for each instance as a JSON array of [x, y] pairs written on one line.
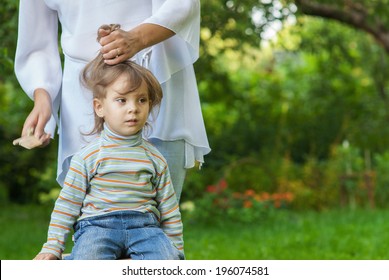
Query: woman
[[160, 34]]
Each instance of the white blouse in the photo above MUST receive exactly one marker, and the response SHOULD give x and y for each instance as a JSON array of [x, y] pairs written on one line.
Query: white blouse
[[38, 65]]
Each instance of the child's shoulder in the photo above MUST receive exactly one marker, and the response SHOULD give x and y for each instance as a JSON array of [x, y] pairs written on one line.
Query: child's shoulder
[[153, 151], [89, 149], [149, 146]]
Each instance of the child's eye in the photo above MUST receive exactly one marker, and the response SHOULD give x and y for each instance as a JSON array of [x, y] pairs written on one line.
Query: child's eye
[[121, 100], [143, 100]]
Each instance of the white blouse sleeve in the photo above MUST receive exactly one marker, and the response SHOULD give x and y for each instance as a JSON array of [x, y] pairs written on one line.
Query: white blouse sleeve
[[181, 50], [37, 60], [182, 17]]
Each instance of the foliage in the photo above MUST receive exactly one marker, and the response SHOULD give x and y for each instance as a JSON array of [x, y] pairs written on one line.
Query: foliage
[[297, 103], [288, 106], [382, 180], [276, 108], [219, 203], [345, 180], [243, 21], [8, 35], [254, 20], [24, 173]]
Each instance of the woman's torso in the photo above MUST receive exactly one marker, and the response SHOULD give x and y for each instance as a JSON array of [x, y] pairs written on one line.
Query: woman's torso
[[80, 20]]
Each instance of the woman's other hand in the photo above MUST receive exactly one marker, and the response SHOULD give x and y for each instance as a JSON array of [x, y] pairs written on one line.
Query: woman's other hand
[[39, 116]]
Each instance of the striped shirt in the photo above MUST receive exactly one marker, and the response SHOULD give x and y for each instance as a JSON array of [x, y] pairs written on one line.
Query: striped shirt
[[115, 173]]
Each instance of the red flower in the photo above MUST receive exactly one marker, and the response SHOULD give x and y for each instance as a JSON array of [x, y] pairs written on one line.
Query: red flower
[[211, 189], [247, 204], [277, 196], [223, 184], [289, 196], [236, 195], [250, 192], [265, 196]]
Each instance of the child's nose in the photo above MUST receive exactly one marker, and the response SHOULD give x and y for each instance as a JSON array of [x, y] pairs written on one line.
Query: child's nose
[[132, 107]]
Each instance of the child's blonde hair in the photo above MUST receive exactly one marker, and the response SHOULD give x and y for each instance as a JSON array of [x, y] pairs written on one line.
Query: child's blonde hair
[[97, 76]]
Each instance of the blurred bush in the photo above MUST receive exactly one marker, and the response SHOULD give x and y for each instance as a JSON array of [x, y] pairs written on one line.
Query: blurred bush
[[248, 189]]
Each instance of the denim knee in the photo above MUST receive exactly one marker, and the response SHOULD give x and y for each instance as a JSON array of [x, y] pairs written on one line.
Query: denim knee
[[151, 244]]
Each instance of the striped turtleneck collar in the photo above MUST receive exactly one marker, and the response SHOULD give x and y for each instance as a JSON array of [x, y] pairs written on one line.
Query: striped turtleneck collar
[[111, 137]]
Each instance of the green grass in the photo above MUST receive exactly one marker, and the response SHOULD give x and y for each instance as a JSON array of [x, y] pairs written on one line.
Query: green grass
[[336, 234], [23, 230], [332, 235]]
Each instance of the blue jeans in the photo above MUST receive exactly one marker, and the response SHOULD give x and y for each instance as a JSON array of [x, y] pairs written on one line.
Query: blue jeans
[[122, 234], [174, 153]]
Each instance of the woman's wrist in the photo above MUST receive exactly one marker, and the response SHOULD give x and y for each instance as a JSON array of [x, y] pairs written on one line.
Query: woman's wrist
[[42, 96], [150, 34]]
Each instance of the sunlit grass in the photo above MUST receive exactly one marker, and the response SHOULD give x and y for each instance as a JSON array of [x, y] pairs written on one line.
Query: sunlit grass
[[337, 235], [23, 230]]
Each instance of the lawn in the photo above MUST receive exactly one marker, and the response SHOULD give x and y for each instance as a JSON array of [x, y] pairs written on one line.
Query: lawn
[[337, 235], [286, 235]]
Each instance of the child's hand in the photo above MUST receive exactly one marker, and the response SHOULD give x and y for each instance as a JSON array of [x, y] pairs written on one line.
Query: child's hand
[[45, 256]]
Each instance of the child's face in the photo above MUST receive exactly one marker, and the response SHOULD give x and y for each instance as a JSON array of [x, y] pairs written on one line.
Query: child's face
[[125, 113]]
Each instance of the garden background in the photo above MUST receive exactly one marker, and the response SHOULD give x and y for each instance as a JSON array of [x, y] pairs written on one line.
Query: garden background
[[295, 98]]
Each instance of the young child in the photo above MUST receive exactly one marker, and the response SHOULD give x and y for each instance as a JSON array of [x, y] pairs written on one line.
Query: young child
[[117, 194]]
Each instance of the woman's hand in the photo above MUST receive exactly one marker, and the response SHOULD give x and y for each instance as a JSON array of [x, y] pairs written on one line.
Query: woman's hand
[[119, 45], [45, 256], [38, 117]]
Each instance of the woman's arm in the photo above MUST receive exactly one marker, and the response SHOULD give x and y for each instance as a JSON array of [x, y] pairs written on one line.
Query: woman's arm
[[169, 17], [37, 62], [120, 45]]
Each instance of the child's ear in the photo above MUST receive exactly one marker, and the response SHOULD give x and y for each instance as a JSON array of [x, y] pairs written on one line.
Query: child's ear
[[98, 107]]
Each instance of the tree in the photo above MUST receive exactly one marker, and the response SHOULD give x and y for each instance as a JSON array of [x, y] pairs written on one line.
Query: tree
[[23, 174], [366, 15], [322, 81], [8, 35], [247, 20]]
